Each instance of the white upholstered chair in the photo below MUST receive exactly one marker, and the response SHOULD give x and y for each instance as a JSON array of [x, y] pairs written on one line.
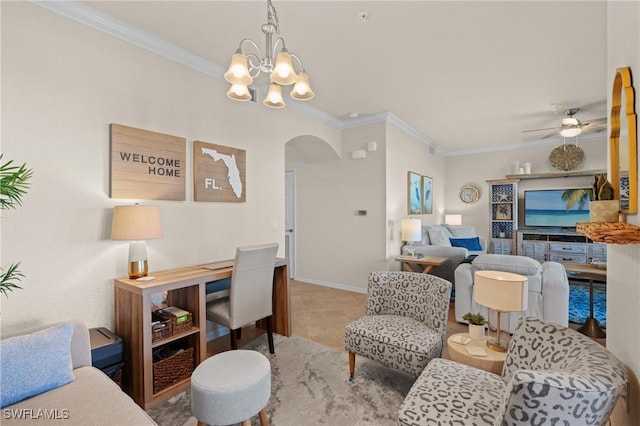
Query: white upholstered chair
[[250, 294], [405, 323]]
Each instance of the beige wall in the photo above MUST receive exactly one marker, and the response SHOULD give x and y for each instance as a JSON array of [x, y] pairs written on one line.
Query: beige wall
[[623, 265], [62, 84], [405, 154], [334, 245], [476, 169]]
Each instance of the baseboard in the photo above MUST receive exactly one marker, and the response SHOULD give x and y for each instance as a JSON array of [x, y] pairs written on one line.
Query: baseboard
[[332, 285]]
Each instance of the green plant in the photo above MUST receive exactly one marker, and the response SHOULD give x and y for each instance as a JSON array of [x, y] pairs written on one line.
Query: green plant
[[14, 182], [475, 319]]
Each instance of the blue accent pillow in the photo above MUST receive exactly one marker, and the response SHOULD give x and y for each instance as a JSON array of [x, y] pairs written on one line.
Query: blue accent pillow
[[35, 363], [472, 244]]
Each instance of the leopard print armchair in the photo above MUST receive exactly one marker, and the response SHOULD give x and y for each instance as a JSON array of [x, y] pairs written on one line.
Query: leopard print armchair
[[405, 323], [552, 375]]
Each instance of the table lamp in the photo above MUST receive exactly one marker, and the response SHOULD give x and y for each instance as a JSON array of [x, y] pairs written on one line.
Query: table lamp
[[411, 230], [502, 292], [453, 219], [136, 224]]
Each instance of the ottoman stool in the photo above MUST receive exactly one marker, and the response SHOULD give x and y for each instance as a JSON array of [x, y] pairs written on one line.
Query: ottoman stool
[[231, 387]]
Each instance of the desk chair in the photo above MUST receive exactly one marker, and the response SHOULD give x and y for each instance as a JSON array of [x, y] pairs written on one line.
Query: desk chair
[[250, 294]]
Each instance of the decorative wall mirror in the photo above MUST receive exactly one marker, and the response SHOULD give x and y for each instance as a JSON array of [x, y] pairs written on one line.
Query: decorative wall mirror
[[623, 142]]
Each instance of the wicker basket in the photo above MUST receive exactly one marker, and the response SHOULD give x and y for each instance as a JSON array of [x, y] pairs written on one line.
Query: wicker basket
[[612, 233], [166, 330], [172, 326], [173, 369]]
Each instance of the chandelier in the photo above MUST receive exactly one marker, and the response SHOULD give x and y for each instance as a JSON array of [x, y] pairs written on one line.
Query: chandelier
[[246, 66]]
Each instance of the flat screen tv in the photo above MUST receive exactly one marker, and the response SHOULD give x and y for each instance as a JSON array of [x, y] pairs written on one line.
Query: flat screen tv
[[559, 208]]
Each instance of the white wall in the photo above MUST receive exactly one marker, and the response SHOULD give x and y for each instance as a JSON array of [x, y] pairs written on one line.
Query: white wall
[[405, 154], [62, 84], [334, 245], [623, 265], [476, 169]]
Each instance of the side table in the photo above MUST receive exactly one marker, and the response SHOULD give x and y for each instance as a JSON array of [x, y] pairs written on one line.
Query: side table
[[493, 362], [420, 264]]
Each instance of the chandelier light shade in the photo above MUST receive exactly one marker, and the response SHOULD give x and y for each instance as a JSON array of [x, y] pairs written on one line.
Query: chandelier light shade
[[245, 66], [274, 98], [239, 92], [136, 224]]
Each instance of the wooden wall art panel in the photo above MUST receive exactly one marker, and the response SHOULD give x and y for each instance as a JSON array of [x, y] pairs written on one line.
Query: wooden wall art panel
[[147, 165], [219, 173]]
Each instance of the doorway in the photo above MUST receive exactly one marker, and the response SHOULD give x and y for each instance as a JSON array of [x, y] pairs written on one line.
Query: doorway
[[289, 220]]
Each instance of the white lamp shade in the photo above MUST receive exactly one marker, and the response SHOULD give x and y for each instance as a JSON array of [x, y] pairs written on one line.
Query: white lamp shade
[[274, 97], [239, 92], [135, 223], [302, 89], [501, 291], [283, 72], [410, 229], [453, 219], [238, 72]]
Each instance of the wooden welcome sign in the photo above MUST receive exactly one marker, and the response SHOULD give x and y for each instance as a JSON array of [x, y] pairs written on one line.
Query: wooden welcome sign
[[147, 165]]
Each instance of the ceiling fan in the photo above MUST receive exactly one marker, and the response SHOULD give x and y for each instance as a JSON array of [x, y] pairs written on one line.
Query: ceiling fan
[[571, 126]]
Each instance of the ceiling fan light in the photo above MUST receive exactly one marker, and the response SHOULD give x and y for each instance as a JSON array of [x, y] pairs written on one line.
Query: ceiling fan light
[[274, 98], [239, 92], [302, 89], [570, 132], [570, 121], [238, 72], [283, 72]]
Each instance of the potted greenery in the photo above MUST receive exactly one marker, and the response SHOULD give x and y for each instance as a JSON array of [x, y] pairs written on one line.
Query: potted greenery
[[14, 182], [476, 325], [502, 229]]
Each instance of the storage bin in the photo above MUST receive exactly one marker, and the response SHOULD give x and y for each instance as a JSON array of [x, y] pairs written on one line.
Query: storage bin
[[174, 326], [173, 369]]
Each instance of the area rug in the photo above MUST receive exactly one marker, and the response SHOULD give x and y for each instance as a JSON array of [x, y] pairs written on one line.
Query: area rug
[[579, 302], [310, 386]]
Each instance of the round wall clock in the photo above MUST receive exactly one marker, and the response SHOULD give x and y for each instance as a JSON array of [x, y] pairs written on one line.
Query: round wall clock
[[566, 157], [469, 194]]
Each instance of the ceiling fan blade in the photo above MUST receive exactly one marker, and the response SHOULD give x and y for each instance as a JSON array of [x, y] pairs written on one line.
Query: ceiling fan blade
[[593, 129], [595, 121], [550, 135], [539, 130]]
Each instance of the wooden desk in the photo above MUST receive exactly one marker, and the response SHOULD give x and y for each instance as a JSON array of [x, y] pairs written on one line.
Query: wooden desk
[[423, 264], [591, 274], [185, 288]]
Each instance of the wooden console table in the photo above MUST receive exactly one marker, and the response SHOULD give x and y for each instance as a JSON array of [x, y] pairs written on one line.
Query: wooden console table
[[424, 264], [185, 288]]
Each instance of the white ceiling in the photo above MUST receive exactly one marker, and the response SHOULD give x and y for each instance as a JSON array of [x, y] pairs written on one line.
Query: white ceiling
[[467, 75]]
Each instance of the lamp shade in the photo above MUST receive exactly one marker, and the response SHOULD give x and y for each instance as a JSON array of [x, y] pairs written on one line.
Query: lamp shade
[[501, 291], [283, 72], [302, 89], [274, 97], [453, 219], [134, 223], [570, 131], [239, 92], [238, 72], [410, 229]]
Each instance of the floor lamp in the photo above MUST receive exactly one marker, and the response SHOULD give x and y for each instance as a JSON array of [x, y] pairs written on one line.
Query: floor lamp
[[502, 292]]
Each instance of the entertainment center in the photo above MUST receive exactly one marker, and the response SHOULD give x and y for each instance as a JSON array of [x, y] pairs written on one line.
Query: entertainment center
[[550, 217]]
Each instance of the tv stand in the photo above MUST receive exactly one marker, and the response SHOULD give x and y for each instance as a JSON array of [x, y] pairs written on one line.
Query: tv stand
[[559, 246]]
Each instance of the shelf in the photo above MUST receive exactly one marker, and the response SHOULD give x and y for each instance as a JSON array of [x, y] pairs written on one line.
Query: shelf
[[611, 233], [549, 175], [175, 337]]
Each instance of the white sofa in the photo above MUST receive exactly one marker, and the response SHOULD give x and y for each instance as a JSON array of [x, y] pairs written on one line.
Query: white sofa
[[548, 288], [436, 241], [90, 398]]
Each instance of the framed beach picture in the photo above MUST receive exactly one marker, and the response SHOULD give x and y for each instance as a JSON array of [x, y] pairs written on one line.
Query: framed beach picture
[[427, 195], [414, 193]]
